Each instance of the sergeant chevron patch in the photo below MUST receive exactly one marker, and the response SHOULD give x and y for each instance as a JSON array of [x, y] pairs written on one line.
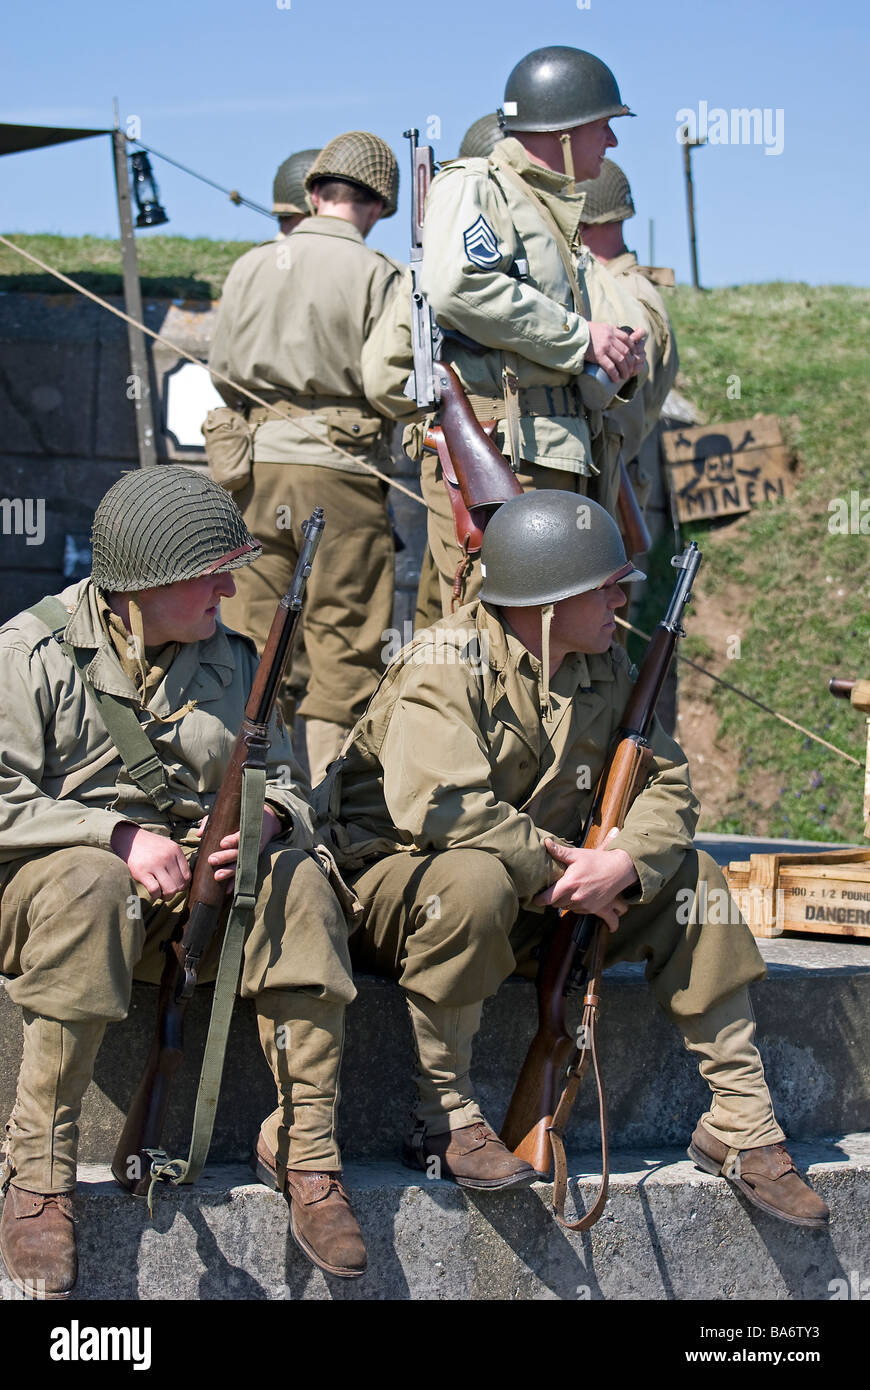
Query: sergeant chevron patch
[[481, 244]]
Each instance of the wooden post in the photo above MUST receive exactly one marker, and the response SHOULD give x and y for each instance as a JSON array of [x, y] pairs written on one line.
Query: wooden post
[[688, 146], [133, 306]]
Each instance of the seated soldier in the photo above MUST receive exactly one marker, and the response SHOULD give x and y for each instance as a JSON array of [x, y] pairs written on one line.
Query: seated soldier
[[80, 842], [456, 806]]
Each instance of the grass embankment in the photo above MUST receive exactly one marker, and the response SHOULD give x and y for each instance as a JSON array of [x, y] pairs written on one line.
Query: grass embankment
[[795, 593], [170, 267]]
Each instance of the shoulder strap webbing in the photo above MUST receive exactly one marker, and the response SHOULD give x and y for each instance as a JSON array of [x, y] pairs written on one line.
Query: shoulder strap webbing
[[133, 744]]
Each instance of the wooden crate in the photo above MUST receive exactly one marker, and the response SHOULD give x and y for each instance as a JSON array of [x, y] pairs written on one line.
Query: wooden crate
[[827, 893]]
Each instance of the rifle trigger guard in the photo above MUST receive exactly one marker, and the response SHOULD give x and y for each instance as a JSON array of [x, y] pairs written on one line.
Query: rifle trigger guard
[[189, 984]]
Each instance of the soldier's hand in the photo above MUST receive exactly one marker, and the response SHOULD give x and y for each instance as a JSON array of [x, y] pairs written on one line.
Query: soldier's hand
[[621, 354], [592, 882], [155, 861], [224, 860], [638, 349]]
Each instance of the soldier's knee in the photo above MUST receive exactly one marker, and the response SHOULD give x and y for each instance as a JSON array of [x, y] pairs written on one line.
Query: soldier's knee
[[477, 890]]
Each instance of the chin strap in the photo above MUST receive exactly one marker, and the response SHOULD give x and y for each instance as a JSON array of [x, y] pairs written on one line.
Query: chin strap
[[546, 620], [137, 628], [567, 153]]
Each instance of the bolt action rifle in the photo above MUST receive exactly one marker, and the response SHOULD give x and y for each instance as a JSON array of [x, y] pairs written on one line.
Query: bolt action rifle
[[139, 1159], [574, 956]]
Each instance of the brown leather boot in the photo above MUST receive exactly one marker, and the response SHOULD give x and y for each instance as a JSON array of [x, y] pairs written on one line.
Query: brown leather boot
[[38, 1243], [321, 1217], [473, 1156], [766, 1176]]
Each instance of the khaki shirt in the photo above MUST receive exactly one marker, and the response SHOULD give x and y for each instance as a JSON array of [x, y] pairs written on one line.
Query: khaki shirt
[[638, 418], [295, 320], [62, 782], [452, 752], [477, 225]]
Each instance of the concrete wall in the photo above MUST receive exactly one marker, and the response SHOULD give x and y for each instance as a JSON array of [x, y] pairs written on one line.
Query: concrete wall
[[68, 431]]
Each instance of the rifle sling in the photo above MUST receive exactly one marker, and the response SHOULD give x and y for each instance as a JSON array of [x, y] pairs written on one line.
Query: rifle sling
[[135, 748], [180, 1171], [565, 1104]]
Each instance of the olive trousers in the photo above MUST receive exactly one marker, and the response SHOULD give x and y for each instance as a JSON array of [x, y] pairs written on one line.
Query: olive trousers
[[75, 931], [349, 595], [447, 926]]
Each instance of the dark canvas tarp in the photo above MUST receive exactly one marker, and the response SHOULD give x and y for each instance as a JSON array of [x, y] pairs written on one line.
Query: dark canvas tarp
[[14, 138]]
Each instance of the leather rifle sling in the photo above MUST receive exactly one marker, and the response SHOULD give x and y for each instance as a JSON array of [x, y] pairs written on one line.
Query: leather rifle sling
[[556, 1131]]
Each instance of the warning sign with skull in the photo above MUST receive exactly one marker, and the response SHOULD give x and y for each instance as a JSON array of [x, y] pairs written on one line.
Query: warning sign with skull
[[721, 470]]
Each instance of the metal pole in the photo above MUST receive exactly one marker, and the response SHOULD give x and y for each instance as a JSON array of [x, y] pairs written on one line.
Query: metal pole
[[652, 242], [133, 304], [690, 204]]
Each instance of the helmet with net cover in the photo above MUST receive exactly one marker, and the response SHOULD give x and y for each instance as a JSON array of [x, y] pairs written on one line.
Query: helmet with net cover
[[164, 524], [363, 159], [288, 190], [608, 198], [481, 137]]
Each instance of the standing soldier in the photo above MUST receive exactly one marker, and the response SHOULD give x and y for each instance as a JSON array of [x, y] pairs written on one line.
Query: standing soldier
[[94, 858], [608, 205], [500, 240], [294, 326]]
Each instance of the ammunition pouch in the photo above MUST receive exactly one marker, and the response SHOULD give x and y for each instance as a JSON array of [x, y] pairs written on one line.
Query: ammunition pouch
[[229, 447]]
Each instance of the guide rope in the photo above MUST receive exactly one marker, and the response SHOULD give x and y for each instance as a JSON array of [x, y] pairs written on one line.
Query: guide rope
[[391, 482]]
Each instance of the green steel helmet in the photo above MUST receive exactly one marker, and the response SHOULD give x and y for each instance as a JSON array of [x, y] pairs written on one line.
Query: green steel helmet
[[549, 545], [480, 138], [361, 158], [558, 88], [163, 524], [288, 190], [608, 198]]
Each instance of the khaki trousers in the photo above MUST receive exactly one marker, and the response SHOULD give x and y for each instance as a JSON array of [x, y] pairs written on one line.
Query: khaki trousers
[[448, 928], [349, 596], [75, 931]]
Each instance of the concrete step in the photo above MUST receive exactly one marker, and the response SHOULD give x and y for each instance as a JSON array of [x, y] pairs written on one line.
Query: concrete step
[[669, 1232], [813, 1025]]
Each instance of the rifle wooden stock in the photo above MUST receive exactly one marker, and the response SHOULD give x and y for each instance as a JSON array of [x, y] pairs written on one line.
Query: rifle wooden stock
[[553, 1051], [533, 1103], [484, 475], [635, 533], [841, 687], [208, 898]]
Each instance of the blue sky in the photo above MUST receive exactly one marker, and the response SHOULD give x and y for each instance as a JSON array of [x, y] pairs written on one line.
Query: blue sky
[[232, 87]]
